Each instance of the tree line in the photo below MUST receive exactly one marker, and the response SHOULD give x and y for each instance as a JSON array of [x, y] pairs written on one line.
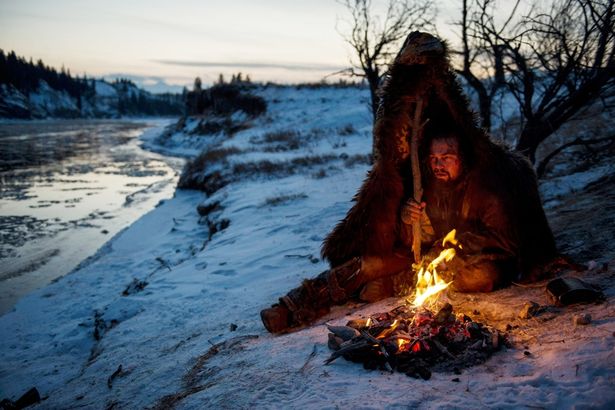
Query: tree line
[[26, 77]]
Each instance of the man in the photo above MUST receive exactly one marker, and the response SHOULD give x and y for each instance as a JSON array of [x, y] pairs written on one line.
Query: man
[[486, 192], [454, 199]]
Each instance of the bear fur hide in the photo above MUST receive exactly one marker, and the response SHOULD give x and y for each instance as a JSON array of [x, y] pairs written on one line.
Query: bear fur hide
[[372, 225]]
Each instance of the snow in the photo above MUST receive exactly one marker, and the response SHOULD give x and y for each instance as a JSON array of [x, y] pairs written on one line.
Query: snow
[[569, 184], [174, 341], [104, 89], [46, 100]]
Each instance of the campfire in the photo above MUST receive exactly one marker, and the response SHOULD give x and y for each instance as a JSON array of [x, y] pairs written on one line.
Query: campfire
[[421, 335]]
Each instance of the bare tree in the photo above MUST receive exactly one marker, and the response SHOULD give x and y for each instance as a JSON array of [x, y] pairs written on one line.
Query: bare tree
[[554, 62], [481, 57], [375, 39]]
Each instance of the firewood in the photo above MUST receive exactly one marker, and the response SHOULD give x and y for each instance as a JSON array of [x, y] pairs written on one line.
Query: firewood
[[380, 344], [443, 349], [347, 349], [343, 332], [334, 342]]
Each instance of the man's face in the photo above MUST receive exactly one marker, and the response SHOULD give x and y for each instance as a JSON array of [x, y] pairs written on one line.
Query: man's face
[[444, 159]]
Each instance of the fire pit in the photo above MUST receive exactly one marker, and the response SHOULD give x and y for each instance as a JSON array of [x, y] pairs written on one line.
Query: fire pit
[[415, 341], [415, 338]]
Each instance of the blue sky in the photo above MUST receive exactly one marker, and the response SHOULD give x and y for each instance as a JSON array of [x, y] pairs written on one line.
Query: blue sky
[[164, 42]]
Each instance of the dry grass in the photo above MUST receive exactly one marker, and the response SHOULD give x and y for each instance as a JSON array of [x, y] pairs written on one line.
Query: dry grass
[[280, 141], [357, 159], [195, 175], [283, 199], [193, 170]]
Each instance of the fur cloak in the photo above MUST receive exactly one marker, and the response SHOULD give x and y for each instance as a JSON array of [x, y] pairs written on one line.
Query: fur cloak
[[372, 226]]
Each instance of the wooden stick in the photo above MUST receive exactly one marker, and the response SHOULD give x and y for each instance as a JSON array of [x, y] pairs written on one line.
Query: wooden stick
[[417, 134], [388, 365]]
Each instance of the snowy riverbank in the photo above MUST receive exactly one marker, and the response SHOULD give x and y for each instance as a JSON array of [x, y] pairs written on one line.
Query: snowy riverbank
[[67, 187], [166, 314]]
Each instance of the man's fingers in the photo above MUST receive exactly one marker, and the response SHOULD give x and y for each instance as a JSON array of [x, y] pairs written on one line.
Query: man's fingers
[[413, 203]]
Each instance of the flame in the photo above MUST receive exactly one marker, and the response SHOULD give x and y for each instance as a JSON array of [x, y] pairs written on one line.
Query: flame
[[450, 238], [428, 283], [386, 332], [402, 344]]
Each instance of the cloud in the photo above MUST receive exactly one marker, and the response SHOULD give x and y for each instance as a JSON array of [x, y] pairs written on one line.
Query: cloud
[[255, 65]]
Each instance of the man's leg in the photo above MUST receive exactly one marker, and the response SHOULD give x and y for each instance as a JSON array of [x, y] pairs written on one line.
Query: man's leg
[[485, 276], [314, 297]]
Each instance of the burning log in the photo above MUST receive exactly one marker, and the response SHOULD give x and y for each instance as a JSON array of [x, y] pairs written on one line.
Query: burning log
[[414, 340]]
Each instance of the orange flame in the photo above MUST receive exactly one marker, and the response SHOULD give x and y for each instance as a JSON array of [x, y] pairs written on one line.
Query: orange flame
[[429, 284]]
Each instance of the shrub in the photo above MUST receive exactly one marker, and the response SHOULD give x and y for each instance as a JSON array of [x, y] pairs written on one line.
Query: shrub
[[224, 99]]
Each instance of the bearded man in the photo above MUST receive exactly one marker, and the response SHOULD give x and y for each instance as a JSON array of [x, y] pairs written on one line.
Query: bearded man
[[456, 197], [482, 189]]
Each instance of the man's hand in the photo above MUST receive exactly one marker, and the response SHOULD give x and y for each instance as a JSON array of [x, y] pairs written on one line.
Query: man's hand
[[412, 211]]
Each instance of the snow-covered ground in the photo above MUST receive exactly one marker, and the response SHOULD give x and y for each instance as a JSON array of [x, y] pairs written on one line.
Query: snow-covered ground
[[166, 314]]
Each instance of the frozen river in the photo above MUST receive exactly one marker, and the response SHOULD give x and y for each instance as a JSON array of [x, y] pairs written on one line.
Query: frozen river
[[66, 187]]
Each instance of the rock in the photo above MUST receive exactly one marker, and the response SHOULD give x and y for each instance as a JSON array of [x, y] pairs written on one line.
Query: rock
[[530, 309], [584, 319], [444, 314]]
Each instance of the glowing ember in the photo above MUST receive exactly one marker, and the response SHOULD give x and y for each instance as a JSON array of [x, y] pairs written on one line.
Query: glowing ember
[[428, 283]]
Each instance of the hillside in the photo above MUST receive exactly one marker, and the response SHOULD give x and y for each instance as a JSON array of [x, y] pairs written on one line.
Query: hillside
[[31, 91], [166, 314]]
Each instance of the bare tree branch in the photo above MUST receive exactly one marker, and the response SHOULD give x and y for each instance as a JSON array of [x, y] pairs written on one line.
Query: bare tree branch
[[554, 61], [542, 167], [376, 39]]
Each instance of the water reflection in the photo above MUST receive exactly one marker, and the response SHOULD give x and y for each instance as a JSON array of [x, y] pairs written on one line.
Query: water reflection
[[65, 188]]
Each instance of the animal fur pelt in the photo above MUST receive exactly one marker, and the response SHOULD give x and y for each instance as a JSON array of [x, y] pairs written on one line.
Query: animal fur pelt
[[422, 70]]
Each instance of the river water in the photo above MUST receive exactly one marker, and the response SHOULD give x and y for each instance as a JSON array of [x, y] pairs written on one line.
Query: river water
[[66, 187]]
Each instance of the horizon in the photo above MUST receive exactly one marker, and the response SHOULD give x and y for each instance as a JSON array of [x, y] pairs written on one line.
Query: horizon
[[165, 47]]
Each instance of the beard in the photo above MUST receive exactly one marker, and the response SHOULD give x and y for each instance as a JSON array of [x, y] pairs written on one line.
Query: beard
[[443, 184]]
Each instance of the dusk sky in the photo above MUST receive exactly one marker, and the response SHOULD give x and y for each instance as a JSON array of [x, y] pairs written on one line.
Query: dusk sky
[[173, 42]]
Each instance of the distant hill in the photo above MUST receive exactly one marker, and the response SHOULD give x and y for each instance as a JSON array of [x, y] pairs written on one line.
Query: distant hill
[[33, 90]]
